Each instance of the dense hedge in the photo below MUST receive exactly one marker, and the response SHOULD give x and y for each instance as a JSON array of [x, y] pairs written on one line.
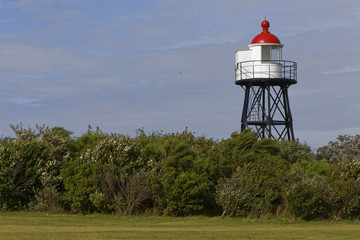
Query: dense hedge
[[177, 174]]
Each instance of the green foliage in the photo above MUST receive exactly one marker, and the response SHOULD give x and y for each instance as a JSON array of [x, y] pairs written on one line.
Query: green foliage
[[346, 185], [343, 148], [237, 151], [347, 194], [110, 169], [308, 198], [30, 167], [98, 201], [177, 174], [254, 189], [78, 186], [266, 146], [185, 193], [178, 185], [179, 155], [313, 167], [48, 197], [304, 202], [20, 161], [87, 141], [294, 151]]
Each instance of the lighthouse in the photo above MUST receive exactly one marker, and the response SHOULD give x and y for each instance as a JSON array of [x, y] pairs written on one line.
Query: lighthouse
[[266, 77]]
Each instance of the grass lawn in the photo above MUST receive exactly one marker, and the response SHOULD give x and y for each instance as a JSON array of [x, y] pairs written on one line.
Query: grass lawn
[[24, 225]]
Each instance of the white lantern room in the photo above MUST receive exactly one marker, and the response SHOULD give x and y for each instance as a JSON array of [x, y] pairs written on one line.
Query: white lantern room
[[263, 59]]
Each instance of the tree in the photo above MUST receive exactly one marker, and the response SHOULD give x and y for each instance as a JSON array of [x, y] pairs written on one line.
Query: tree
[[254, 189], [231, 153], [343, 148], [177, 182], [308, 198], [113, 169], [20, 161], [345, 177], [293, 151]]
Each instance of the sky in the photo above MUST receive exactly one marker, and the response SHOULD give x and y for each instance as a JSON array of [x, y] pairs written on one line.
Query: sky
[[164, 65]]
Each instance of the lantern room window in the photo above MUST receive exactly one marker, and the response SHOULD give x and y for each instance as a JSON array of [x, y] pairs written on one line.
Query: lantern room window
[[270, 53], [276, 53], [265, 53]]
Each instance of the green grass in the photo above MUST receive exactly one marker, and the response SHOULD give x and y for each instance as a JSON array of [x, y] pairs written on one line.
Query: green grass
[[24, 225]]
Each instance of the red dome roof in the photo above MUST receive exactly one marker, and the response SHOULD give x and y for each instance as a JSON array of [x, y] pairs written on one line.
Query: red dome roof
[[265, 36]]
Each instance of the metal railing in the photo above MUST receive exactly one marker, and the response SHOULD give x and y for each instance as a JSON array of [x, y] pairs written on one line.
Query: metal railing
[[279, 69]]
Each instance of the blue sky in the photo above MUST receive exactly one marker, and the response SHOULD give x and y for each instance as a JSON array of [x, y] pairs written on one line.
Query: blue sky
[[167, 64]]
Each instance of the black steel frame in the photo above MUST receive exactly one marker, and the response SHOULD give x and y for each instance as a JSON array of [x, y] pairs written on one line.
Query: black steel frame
[[266, 104]]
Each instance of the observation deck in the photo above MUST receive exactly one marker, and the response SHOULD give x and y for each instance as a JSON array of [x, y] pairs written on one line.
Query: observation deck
[[266, 72]]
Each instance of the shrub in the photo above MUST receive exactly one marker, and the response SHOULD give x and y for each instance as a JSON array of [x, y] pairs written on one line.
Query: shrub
[[254, 189], [346, 185], [343, 148], [185, 194], [20, 161], [308, 198], [294, 151]]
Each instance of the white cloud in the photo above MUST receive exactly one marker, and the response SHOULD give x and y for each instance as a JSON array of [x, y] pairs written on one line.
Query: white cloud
[[31, 102], [346, 69], [28, 59], [36, 6], [32, 5]]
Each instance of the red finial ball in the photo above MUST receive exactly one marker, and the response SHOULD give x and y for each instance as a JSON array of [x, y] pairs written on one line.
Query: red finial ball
[[265, 24]]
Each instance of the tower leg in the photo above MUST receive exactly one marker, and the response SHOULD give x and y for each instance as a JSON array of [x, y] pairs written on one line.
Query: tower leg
[[244, 116], [289, 120]]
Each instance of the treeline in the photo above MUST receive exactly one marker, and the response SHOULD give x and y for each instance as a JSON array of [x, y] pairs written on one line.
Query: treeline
[[178, 174]]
